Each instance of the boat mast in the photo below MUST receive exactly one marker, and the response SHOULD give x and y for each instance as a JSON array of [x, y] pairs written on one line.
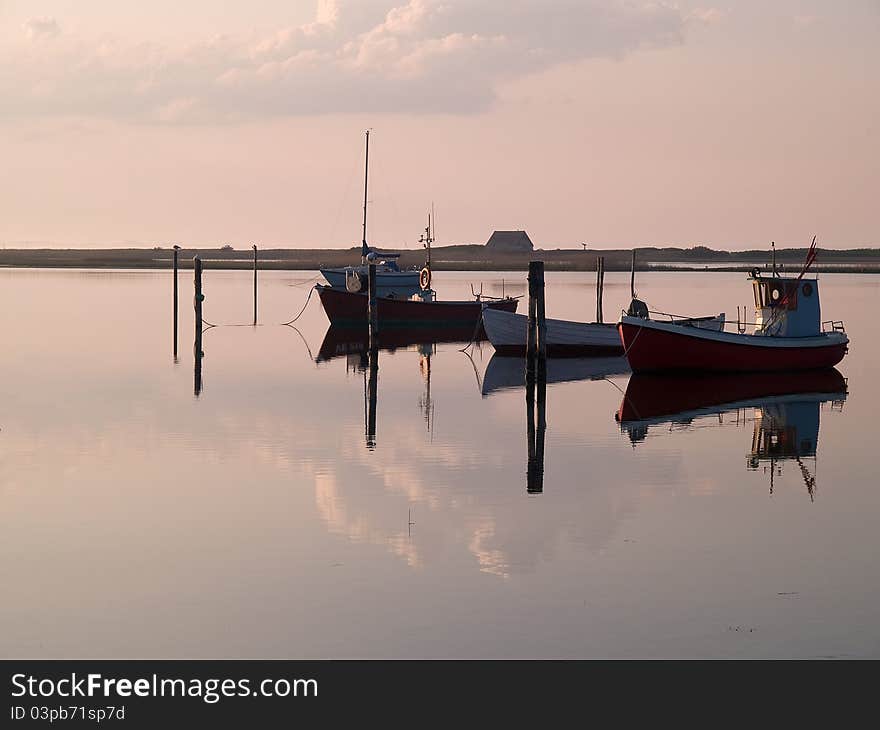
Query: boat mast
[[364, 247], [427, 238]]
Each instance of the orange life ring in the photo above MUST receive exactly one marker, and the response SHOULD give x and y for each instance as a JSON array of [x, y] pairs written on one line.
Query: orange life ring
[[425, 278]]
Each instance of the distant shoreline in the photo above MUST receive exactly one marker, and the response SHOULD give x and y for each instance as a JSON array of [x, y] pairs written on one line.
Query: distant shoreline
[[448, 258]]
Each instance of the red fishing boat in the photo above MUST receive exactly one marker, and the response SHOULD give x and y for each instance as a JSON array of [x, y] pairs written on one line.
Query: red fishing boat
[[788, 333], [346, 309]]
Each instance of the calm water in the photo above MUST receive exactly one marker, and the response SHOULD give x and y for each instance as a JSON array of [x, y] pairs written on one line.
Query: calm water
[[259, 519]]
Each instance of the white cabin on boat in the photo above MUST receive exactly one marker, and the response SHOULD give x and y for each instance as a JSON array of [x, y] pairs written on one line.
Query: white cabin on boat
[[786, 307]]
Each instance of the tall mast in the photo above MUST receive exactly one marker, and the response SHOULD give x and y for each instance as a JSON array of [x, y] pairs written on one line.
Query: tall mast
[[364, 249]]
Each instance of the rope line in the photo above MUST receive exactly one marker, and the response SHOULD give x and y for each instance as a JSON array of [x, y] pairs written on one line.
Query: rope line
[[474, 335], [308, 298], [210, 325]]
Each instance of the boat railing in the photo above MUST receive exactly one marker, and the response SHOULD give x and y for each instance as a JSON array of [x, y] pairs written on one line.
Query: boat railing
[[683, 319], [833, 325]]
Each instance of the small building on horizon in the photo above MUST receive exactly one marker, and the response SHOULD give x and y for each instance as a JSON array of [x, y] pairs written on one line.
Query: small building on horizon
[[513, 241]]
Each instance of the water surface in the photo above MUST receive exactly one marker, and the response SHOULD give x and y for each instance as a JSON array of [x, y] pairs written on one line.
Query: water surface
[[260, 518]]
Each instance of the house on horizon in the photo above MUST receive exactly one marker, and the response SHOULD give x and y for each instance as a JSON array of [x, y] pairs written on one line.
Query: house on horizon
[[510, 241]]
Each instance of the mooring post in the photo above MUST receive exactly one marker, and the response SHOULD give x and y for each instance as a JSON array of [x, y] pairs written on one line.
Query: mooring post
[[532, 327], [540, 314], [600, 287], [198, 298], [197, 304], [372, 307], [174, 259], [255, 284]]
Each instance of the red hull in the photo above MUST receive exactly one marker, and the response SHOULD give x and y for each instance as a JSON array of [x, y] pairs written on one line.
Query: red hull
[[346, 309], [655, 396], [656, 350]]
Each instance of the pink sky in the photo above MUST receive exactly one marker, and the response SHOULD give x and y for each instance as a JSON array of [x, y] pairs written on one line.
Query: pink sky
[[611, 123]]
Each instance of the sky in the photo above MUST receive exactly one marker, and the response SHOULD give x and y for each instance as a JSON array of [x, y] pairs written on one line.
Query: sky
[[614, 123]]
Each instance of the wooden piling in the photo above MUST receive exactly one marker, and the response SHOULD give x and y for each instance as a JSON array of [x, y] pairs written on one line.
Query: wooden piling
[[372, 307], [174, 259], [255, 284], [198, 298], [540, 316], [532, 327]]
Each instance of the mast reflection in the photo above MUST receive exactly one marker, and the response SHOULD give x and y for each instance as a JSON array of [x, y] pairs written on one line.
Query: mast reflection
[[784, 410], [371, 395]]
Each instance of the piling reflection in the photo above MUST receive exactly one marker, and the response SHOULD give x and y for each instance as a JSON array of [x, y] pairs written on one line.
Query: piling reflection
[[198, 354], [371, 396], [536, 410], [783, 409]]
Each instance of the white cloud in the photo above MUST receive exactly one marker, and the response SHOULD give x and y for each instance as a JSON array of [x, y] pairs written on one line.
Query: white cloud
[[356, 56], [37, 28]]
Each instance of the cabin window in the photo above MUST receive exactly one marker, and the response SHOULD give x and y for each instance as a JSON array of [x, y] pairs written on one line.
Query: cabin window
[[772, 293]]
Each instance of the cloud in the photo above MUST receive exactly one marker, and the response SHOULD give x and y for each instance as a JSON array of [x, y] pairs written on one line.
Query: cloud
[[37, 28], [412, 56]]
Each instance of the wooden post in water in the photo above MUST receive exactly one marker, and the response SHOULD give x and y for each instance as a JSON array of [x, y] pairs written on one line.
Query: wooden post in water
[[536, 312], [197, 303], [174, 259], [198, 298], [541, 321], [255, 285], [372, 307], [600, 287]]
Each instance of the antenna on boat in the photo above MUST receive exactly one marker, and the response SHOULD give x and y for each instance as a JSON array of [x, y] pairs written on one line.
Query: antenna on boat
[[632, 276], [427, 238], [364, 248], [773, 247]]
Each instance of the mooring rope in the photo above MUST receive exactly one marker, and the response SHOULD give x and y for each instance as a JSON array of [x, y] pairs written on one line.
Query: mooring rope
[[308, 298], [252, 324], [474, 335]]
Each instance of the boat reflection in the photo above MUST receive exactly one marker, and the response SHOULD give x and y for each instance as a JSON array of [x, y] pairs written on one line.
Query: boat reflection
[[348, 341], [503, 373], [783, 408]]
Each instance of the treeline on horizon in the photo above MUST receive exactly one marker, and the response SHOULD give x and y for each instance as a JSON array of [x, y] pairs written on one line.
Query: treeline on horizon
[[456, 257]]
